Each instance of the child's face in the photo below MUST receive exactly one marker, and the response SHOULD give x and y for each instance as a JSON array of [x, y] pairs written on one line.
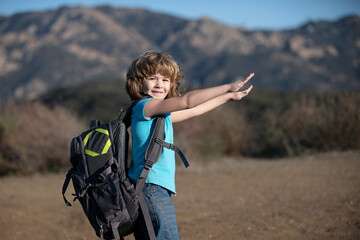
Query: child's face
[[157, 86]]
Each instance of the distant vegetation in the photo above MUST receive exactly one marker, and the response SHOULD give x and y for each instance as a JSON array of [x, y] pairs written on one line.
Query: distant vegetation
[[35, 136], [276, 124], [97, 100]]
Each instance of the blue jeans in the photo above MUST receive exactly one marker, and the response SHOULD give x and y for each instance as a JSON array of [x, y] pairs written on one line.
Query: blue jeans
[[162, 213]]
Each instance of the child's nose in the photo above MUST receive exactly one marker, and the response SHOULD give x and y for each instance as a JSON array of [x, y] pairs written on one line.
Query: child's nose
[[158, 83]]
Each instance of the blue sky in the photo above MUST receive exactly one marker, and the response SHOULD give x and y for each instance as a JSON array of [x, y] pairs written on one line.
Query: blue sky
[[253, 14]]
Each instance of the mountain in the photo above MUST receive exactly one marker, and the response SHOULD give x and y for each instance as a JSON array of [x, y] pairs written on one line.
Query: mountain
[[40, 51]]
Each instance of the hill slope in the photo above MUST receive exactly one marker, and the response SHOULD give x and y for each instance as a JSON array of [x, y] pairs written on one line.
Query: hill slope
[[44, 50]]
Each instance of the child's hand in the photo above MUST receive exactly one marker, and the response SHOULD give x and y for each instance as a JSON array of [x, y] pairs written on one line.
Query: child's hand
[[235, 96], [235, 86]]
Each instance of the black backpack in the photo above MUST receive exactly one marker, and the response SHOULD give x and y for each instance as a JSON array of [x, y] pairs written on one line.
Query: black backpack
[[99, 157]]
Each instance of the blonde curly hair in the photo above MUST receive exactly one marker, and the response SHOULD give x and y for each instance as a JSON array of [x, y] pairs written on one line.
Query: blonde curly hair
[[149, 64]]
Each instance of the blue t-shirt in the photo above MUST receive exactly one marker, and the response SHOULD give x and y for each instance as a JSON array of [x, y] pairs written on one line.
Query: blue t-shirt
[[163, 172]]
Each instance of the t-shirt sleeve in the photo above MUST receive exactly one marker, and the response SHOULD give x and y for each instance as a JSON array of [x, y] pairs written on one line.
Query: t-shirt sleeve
[[138, 110]]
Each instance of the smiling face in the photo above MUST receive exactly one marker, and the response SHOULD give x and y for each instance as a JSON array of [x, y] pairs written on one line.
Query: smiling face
[[157, 86], [147, 75]]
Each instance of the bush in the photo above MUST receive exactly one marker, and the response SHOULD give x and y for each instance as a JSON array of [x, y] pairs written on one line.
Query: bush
[[214, 134], [35, 138], [273, 124], [324, 122]]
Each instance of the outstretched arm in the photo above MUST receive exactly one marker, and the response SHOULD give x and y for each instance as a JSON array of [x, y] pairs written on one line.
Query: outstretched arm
[[192, 99], [182, 115]]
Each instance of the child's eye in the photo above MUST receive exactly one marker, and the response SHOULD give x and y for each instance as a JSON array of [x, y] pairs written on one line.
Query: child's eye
[[166, 80]]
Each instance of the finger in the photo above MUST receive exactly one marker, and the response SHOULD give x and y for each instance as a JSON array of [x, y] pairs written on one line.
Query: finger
[[248, 78], [247, 91]]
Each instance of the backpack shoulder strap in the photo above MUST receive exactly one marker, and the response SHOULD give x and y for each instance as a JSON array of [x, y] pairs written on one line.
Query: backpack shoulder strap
[[157, 143], [147, 218], [154, 150], [125, 112]]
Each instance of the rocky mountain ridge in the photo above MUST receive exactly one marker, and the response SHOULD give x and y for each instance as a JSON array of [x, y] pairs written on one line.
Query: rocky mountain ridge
[[40, 51]]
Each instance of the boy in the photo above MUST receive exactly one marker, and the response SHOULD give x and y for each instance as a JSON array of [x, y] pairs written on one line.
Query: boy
[[157, 75]]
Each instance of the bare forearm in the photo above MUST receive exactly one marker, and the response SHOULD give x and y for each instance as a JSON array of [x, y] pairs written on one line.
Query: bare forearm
[[200, 109], [212, 103], [197, 97], [207, 106]]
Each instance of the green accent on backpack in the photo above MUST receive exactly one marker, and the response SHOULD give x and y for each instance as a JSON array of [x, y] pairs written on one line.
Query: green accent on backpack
[[105, 149]]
